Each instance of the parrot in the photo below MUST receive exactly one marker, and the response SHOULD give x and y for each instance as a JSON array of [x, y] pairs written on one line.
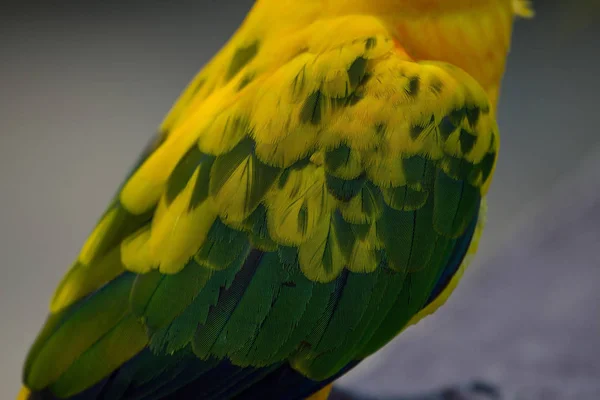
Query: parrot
[[318, 187]]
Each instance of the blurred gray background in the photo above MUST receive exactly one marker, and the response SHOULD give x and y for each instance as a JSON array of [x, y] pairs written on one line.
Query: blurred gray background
[[83, 87]]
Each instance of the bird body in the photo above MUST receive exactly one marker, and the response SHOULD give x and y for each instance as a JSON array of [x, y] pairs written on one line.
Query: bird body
[[318, 187]]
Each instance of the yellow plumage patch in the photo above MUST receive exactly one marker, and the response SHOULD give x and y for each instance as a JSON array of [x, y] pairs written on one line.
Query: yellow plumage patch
[[302, 135], [178, 231], [297, 206]]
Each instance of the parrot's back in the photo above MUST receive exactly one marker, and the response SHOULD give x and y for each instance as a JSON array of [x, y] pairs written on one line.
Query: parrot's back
[[314, 191]]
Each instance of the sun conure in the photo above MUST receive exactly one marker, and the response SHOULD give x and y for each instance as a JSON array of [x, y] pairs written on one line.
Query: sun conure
[[316, 189]]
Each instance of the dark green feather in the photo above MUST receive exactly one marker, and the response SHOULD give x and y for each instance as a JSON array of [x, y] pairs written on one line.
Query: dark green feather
[[396, 230], [182, 173], [228, 299], [347, 315], [222, 246], [404, 198], [410, 299], [455, 205], [241, 57], [424, 238], [312, 109], [171, 295], [252, 309], [343, 189], [282, 319], [180, 332]]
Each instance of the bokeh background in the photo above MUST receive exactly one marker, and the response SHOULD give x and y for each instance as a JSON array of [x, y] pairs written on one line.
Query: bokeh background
[[83, 86]]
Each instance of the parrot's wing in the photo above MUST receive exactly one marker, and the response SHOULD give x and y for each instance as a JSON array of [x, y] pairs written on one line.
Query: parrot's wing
[[300, 215]]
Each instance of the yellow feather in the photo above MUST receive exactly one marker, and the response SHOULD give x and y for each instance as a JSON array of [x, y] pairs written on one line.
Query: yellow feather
[[176, 235], [25, 392], [89, 249], [144, 189], [295, 210], [320, 257], [83, 279], [224, 133], [135, 252], [363, 258]]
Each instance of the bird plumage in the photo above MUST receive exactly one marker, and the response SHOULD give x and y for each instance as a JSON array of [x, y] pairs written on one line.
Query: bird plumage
[[313, 191]]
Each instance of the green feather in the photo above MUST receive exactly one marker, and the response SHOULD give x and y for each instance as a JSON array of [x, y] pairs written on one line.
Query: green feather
[[180, 332], [367, 206], [410, 299], [343, 162], [415, 168], [200, 191], [171, 295], [351, 342], [316, 310], [115, 347], [455, 205], [222, 246], [357, 72], [123, 225], [404, 198], [143, 289], [241, 58], [227, 163], [228, 299], [78, 331], [343, 189], [283, 318], [424, 238], [396, 230], [182, 173], [347, 315], [379, 311], [337, 158], [312, 109], [256, 225], [89, 277], [252, 309]]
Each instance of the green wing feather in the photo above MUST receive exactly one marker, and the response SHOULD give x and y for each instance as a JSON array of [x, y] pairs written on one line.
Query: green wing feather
[[305, 222]]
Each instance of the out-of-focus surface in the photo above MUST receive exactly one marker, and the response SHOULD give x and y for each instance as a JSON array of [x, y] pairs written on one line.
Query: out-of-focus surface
[[82, 88]]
